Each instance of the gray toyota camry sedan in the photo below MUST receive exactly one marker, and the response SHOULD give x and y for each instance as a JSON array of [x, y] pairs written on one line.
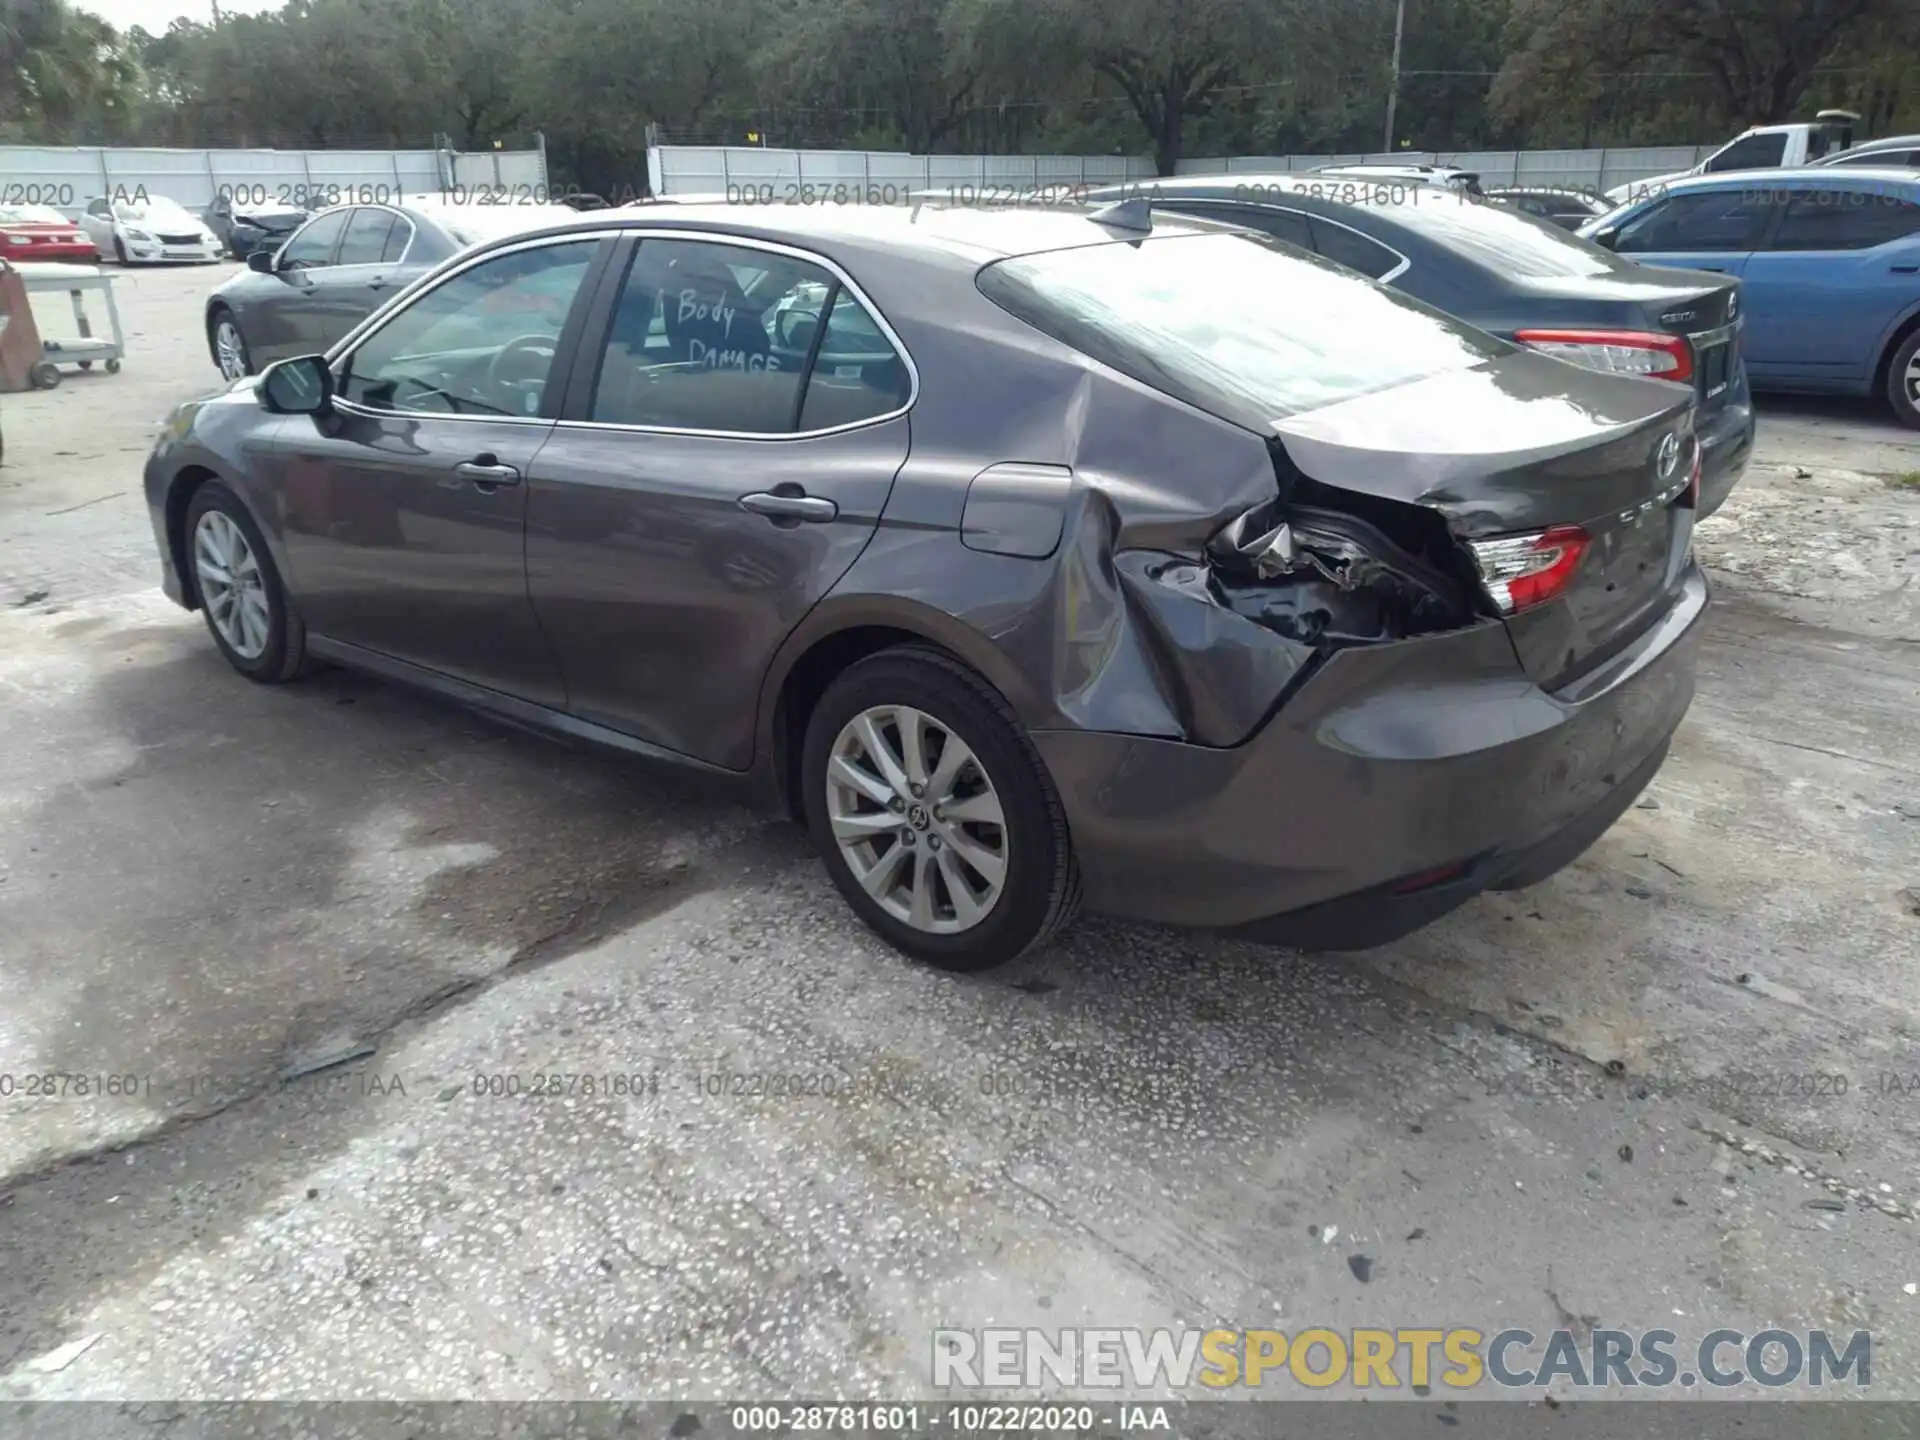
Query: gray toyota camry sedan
[[1031, 558]]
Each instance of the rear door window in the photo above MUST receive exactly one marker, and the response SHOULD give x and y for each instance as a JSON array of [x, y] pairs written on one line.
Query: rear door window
[[1845, 219], [1712, 221], [1234, 324], [365, 240], [720, 338]]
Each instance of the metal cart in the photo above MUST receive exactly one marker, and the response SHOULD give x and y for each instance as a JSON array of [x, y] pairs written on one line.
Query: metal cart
[[84, 348]]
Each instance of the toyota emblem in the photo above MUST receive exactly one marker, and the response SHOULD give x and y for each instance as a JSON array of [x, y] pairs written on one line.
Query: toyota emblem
[[1733, 305], [1669, 455]]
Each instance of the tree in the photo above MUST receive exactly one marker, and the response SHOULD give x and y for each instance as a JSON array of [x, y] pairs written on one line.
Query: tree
[[1755, 57], [61, 69], [1169, 57]]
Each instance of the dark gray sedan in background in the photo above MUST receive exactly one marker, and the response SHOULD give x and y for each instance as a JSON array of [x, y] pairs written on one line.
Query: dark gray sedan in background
[[1028, 556], [333, 271], [244, 228], [1520, 277]]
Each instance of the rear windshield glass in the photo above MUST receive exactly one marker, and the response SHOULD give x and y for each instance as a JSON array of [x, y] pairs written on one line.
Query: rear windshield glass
[[1236, 325], [1503, 239]]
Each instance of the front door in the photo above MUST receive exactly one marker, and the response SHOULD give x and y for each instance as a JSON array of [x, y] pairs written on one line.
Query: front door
[[711, 479], [1699, 229], [284, 318], [405, 511], [363, 273]]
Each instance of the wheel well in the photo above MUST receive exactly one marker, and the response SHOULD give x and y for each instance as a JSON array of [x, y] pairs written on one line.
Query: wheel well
[[214, 312], [807, 681], [1900, 337], [179, 498]]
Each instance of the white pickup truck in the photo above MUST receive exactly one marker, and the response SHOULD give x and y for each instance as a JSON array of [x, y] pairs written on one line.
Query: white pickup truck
[[1765, 147]]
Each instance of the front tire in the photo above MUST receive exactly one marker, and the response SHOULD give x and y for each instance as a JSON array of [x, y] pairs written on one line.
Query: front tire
[[119, 250], [230, 353], [934, 813], [1903, 382], [245, 605]]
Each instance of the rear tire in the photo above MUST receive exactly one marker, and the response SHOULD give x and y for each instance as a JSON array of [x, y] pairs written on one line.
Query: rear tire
[[249, 614], [994, 888], [1903, 381]]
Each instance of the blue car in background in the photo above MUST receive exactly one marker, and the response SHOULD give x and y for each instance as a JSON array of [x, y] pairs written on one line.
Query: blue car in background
[[1829, 263]]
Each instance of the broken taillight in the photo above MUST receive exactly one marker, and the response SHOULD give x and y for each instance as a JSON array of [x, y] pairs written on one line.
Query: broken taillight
[[1520, 571], [1617, 352]]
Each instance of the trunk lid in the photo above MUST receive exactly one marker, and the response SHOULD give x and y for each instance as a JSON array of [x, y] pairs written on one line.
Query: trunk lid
[[1521, 445]]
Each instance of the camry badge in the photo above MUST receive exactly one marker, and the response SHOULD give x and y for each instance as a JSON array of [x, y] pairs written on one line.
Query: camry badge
[[1669, 455]]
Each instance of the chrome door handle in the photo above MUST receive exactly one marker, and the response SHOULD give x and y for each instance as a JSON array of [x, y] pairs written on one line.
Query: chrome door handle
[[487, 474], [789, 507]]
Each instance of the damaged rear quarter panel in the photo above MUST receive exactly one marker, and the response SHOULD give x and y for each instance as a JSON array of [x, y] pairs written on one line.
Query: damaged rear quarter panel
[[1095, 642]]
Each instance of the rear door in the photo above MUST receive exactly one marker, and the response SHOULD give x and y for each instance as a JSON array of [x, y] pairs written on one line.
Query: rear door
[[724, 455], [1830, 278]]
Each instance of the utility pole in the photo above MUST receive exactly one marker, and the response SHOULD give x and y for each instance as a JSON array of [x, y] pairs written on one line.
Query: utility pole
[[1393, 92]]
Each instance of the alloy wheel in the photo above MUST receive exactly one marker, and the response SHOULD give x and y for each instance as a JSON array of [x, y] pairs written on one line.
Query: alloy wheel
[[229, 350], [917, 819], [1912, 379], [231, 585]]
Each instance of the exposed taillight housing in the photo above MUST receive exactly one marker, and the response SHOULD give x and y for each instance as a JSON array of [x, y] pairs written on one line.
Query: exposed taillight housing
[[1521, 571], [1617, 352]]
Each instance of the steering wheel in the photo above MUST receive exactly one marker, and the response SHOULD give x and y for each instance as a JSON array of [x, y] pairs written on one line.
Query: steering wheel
[[500, 375]]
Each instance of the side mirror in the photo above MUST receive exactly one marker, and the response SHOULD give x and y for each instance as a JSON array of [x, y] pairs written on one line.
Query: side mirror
[[261, 260], [300, 386], [1606, 237]]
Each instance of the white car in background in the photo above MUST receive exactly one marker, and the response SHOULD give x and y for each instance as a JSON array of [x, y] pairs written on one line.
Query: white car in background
[[153, 230]]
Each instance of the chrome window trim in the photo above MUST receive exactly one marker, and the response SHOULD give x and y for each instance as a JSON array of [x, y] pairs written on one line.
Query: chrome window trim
[[413, 233], [792, 252], [343, 352]]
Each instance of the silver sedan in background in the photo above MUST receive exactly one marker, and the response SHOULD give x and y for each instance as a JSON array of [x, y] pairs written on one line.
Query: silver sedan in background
[[340, 267]]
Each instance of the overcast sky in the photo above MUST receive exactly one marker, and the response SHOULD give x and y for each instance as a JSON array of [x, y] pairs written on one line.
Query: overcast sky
[[155, 15]]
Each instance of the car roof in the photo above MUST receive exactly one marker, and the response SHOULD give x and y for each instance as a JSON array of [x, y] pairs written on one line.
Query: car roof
[[970, 235]]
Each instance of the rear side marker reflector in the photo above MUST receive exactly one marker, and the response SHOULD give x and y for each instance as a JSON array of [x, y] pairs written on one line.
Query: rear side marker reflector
[[1520, 571], [1617, 352]]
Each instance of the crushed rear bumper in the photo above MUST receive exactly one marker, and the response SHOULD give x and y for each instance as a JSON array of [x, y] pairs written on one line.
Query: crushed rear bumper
[[1389, 766]]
